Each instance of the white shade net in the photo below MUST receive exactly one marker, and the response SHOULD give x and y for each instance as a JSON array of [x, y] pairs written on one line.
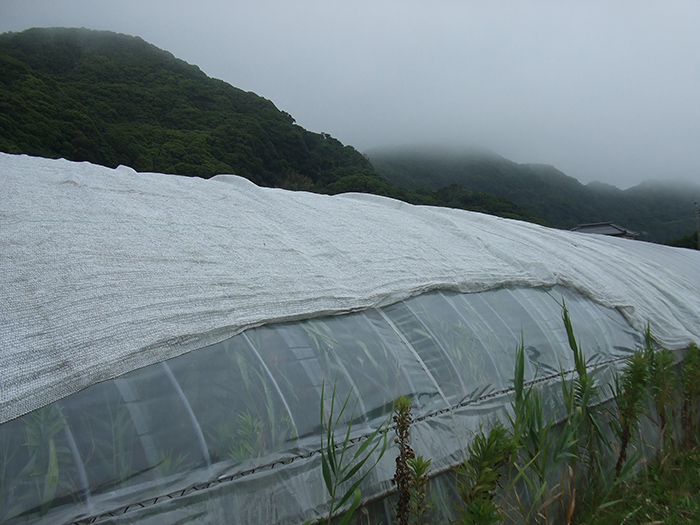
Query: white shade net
[[105, 271]]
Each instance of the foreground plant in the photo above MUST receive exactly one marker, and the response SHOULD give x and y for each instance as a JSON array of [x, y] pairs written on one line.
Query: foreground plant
[[662, 379], [690, 385], [629, 392], [339, 467], [419, 467], [402, 477], [583, 421], [541, 447], [668, 494], [411, 477], [478, 477]]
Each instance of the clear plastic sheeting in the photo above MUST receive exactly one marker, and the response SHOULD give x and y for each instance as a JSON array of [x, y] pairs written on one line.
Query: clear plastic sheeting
[[230, 433], [104, 271]]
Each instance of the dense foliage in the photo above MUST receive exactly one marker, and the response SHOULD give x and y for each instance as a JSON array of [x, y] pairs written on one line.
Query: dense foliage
[[687, 241], [657, 211], [114, 99]]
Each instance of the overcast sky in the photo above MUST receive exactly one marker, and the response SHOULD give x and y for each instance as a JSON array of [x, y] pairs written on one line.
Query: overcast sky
[[602, 89]]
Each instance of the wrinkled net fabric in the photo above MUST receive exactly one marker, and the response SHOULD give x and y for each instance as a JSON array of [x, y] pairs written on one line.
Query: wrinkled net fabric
[[105, 271]]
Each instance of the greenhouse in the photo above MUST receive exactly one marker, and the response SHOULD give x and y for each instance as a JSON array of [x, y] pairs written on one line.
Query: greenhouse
[[168, 345]]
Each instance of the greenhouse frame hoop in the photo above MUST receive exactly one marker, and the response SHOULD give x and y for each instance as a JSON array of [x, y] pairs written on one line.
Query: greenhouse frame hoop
[[352, 441]]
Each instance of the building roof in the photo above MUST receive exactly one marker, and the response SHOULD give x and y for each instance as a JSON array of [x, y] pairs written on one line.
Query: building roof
[[606, 228]]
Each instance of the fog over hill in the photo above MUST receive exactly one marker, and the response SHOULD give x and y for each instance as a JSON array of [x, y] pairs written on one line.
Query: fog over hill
[[658, 210], [602, 90], [113, 99]]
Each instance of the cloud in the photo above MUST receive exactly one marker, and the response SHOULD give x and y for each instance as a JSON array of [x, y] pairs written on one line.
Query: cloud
[[602, 90]]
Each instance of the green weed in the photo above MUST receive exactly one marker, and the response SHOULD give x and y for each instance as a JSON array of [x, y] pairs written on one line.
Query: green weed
[[337, 465], [478, 477]]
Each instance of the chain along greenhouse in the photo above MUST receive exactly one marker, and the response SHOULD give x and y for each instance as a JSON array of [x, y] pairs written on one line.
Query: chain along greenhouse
[[166, 342]]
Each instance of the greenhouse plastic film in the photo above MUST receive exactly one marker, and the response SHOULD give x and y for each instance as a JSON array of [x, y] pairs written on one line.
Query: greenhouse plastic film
[[232, 432], [109, 270]]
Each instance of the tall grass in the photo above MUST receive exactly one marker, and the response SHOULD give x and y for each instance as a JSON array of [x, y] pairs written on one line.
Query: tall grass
[[690, 398], [340, 466], [629, 393], [583, 463], [662, 382], [540, 449], [540, 470], [478, 477]]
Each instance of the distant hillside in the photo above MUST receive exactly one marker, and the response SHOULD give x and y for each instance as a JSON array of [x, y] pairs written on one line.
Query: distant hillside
[[658, 211], [114, 99]]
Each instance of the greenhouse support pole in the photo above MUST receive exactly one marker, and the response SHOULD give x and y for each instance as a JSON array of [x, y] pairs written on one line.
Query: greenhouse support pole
[[190, 413]]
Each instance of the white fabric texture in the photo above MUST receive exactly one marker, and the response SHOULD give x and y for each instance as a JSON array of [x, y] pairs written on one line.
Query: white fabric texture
[[104, 271]]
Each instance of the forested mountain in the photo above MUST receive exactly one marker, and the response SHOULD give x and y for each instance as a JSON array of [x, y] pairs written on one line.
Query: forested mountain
[[658, 211], [114, 99]]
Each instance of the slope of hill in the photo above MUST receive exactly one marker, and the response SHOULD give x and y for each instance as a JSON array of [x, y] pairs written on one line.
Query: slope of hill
[[115, 99], [659, 211]]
